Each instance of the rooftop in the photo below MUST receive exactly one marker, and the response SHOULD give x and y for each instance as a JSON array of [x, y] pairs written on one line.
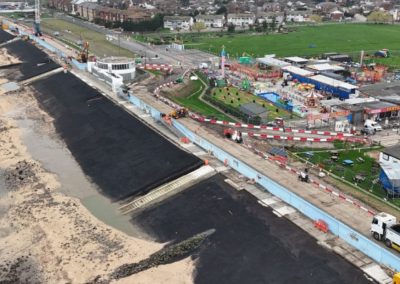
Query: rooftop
[[325, 67], [252, 109], [333, 82], [119, 60], [382, 89], [297, 59], [298, 71], [377, 105], [393, 151]]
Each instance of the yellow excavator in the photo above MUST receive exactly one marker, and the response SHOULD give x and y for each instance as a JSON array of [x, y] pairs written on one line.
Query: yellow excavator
[[178, 113], [84, 53]]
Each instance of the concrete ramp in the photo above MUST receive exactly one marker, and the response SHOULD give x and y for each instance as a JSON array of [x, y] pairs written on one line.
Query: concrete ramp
[[169, 189]]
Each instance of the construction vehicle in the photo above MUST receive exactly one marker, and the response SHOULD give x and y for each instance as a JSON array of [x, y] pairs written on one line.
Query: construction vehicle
[[84, 53], [235, 135], [384, 228], [179, 113], [396, 278]]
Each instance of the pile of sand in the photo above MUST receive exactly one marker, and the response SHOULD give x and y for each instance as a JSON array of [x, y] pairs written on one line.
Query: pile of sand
[[7, 59], [48, 237]]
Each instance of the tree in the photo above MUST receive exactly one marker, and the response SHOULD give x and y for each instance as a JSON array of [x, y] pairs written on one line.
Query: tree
[[316, 18], [199, 26], [231, 28], [221, 11], [264, 25], [379, 17], [272, 25]]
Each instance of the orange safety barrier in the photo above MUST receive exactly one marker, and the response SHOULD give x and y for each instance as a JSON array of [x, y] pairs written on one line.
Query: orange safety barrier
[[321, 225], [185, 140], [206, 162]]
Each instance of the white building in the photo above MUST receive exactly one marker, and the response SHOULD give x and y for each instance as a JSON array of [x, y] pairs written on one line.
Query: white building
[[178, 22], [113, 70], [241, 20], [269, 17], [211, 21], [390, 156]]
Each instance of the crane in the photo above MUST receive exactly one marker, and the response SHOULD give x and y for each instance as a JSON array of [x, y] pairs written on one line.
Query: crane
[[36, 24]]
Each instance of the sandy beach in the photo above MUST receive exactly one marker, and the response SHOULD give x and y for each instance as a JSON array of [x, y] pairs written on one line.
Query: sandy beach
[[49, 237]]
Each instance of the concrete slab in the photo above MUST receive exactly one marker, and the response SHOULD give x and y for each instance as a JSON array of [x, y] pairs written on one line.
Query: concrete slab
[[377, 273]]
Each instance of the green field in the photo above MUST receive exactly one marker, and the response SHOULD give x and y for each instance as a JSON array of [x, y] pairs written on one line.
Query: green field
[[350, 38], [368, 168], [98, 43], [235, 97], [189, 97]]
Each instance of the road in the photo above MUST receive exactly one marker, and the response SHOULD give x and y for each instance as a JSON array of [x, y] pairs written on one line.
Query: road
[[154, 54]]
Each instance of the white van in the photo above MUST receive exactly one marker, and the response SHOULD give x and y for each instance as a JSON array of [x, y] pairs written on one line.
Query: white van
[[372, 125]]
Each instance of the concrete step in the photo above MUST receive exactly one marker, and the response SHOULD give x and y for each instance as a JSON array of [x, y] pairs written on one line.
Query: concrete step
[[41, 76], [168, 189]]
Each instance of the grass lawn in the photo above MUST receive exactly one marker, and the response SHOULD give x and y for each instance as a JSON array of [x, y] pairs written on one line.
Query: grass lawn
[[238, 97], [326, 38], [189, 97], [97, 41], [369, 169]]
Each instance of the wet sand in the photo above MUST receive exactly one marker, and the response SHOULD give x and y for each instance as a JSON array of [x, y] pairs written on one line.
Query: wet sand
[[47, 236]]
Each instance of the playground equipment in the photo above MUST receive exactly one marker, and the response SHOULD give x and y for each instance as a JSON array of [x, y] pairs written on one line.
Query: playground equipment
[[246, 84]]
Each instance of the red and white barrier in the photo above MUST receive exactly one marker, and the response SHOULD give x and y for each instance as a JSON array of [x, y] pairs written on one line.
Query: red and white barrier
[[281, 129], [288, 138], [159, 67], [313, 181], [333, 135]]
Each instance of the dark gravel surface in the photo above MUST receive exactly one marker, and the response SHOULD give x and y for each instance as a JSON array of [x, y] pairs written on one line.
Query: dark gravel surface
[[118, 152], [5, 36], [34, 61], [250, 245]]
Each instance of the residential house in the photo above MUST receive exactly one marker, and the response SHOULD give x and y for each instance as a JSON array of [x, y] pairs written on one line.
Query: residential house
[[211, 21], [269, 17], [389, 159], [87, 10], [116, 15], [241, 20], [298, 16], [62, 5], [336, 15], [178, 22]]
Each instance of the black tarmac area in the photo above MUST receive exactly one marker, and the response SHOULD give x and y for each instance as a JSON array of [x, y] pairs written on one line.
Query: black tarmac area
[[118, 152], [34, 60], [250, 245], [5, 36]]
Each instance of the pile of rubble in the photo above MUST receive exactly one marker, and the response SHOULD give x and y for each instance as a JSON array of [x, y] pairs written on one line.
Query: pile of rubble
[[22, 174], [166, 255]]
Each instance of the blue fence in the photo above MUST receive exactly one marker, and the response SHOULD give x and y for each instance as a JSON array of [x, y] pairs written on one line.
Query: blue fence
[[357, 240]]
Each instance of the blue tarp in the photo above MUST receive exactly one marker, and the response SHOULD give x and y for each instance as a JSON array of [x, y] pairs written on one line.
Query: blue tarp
[[275, 99], [387, 184]]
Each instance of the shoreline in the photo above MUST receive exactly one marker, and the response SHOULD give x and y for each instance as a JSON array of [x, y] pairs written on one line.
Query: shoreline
[[48, 236]]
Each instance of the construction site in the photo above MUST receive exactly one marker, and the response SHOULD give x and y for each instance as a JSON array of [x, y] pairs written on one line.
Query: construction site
[[103, 179]]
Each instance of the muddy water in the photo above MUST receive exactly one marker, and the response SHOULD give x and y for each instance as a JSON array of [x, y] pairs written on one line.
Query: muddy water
[[55, 157]]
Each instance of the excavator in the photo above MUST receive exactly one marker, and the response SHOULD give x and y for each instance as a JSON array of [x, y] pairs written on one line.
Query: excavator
[[179, 113], [84, 53]]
